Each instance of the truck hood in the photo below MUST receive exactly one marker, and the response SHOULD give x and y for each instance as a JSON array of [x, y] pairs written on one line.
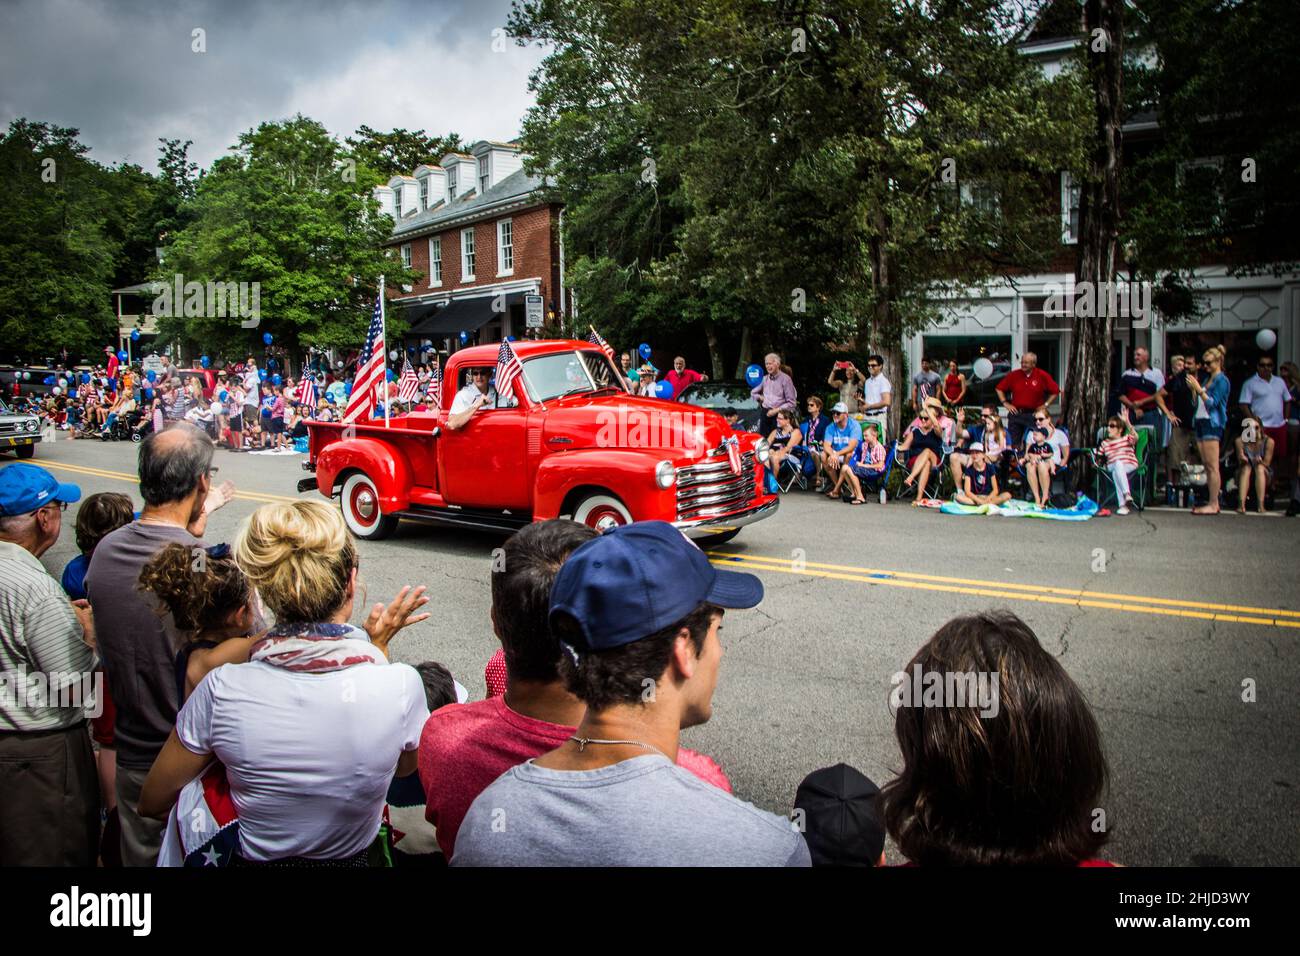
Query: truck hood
[[609, 420]]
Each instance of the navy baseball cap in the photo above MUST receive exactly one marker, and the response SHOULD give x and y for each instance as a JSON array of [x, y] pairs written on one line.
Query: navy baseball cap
[[25, 488], [636, 580]]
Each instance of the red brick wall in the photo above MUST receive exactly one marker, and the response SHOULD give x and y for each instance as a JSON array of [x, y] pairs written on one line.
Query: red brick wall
[[536, 247]]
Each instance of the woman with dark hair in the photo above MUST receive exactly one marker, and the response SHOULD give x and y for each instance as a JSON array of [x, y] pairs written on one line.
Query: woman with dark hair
[[1015, 776]]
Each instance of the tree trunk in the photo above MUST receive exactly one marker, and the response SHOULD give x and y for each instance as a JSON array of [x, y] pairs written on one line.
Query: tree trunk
[[715, 350], [883, 327], [1088, 378], [746, 348]]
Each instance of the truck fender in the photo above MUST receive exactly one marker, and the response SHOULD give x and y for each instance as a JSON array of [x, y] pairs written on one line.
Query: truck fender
[[387, 467], [628, 473]]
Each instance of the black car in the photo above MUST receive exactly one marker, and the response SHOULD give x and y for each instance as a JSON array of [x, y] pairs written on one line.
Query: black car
[[727, 398]]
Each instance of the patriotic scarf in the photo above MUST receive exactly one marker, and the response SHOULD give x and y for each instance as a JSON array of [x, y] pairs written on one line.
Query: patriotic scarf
[[203, 828]]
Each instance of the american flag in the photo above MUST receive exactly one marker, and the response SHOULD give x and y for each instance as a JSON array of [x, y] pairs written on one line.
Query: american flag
[[307, 394], [435, 386], [595, 339], [408, 386], [370, 371], [508, 369], [733, 452]]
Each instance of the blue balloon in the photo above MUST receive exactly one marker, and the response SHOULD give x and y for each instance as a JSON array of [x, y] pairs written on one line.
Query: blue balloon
[[510, 338], [261, 375], [753, 375], [204, 361], [271, 363], [121, 355], [644, 350], [148, 394], [464, 336], [49, 380], [347, 389], [266, 337], [390, 375], [85, 378], [276, 380], [151, 375], [135, 335], [224, 396], [663, 390]]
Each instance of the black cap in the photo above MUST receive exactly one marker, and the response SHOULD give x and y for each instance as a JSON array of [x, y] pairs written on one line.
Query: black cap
[[841, 817]]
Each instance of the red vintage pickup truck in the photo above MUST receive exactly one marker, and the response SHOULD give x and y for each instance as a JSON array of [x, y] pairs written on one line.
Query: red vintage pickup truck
[[568, 442]]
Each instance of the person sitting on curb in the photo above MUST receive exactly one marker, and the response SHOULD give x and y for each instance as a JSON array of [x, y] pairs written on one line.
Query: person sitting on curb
[[979, 483]]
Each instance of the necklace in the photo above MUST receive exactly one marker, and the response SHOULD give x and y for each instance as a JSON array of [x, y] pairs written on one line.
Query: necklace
[[583, 741]]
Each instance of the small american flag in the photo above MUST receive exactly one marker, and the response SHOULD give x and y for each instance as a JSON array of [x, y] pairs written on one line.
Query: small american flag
[[307, 394], [595, 339], [733, 452], [508, 369], [408, 386], [370, 372], [435, 386]]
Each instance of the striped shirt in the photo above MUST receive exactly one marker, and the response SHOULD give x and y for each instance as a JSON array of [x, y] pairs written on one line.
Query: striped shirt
[[1119, 451], [39, 635]]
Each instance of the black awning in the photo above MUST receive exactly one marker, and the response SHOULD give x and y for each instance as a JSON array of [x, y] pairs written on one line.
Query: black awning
[[462, 315], [414, 314]]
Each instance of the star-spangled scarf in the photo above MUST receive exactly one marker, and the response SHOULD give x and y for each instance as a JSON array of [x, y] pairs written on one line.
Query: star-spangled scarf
[[203, 828]]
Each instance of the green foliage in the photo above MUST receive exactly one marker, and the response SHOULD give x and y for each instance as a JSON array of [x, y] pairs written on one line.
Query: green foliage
[[283, 211], [398, 152]]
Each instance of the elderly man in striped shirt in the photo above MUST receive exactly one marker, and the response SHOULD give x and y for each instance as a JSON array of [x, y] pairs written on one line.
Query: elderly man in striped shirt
[[49, 792]]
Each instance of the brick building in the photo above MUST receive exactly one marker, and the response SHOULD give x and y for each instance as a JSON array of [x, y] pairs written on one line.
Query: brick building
[[478, 230]]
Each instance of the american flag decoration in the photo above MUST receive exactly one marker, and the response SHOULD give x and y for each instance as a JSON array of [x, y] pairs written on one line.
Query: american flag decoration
[[508, 369], [370, 371], [595, 339], [732, 444], [434, 392], [408, 386], [307, 393]]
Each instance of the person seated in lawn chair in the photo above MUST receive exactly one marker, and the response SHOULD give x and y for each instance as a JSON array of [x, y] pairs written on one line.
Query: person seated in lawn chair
[[867, 463], [979, 482]]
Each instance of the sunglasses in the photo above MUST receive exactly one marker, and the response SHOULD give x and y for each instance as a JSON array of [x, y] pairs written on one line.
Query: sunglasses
[[1039, 419]]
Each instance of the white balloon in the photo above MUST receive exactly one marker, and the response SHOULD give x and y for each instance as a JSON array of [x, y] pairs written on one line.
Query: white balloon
[[1266, 339], [393, 355], [63, 383], [56, 390], [983, 368]]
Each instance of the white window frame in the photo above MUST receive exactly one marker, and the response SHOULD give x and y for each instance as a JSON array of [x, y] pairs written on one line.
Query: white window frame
[[424, 193], [483, 175], [505, 266], [435, 261], [467, 255], [1068, 236], [451, 181], [406, 254]]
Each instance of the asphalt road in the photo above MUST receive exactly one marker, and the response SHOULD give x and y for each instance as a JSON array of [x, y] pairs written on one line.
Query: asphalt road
[[1161, 641]]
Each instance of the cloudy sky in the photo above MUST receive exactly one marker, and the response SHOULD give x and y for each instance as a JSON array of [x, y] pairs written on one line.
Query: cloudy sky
[[124, 71]]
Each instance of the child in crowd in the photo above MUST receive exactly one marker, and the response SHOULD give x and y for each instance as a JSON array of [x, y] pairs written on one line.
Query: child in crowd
[[865, 464], [98, 517], [212, 604], [1039, 449], [840, 811], [980, 480], [1117, 453]]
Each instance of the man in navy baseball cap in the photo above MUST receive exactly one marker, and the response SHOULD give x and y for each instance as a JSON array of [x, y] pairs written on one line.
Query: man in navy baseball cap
[[637, 612]]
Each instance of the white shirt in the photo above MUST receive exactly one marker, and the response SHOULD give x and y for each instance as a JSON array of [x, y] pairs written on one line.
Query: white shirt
[[464, 399], [309, 756], [875, 388], [252, 388], [1266, 399]]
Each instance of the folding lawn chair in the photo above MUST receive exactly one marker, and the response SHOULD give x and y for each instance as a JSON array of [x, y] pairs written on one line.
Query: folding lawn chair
[[1103, 485]]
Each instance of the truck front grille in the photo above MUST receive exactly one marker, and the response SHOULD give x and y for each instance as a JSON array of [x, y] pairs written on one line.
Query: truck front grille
[[710, 488]]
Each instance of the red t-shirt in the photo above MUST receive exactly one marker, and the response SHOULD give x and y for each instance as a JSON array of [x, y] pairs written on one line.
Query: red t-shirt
[[679, 382], [1029, 389]]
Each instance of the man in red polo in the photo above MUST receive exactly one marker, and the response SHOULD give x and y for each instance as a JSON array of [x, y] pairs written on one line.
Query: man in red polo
[[1022, 391], [681, 377]]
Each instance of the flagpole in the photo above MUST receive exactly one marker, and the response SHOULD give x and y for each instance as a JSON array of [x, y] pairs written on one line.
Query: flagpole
[[383, 333]]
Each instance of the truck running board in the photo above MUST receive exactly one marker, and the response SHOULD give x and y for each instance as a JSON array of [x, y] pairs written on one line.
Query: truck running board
[[485, 520]]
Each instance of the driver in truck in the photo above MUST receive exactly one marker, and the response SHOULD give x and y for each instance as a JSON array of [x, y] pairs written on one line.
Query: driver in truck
[[475, 395]]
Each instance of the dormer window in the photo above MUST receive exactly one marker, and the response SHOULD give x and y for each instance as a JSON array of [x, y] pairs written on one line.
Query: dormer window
[[424, 192], [482, 175], [451, 181]]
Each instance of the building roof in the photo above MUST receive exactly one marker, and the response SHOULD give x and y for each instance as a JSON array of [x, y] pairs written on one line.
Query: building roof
[[515, 187]]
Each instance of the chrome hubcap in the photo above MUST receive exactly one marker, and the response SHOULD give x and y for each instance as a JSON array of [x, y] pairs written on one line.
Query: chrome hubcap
[[364, 504]]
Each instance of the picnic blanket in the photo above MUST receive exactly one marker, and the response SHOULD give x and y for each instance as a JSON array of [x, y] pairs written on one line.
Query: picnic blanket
[[1083, 509]]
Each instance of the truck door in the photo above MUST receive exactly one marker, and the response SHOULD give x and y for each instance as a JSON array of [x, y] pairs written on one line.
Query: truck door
[[484, 464]]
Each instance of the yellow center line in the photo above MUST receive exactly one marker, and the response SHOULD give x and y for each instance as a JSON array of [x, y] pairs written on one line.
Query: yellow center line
[[262, 497], [1076, 600]]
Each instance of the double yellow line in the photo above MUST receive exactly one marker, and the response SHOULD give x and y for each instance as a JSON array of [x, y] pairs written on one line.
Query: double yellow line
[[1042, 594], [257, 496]]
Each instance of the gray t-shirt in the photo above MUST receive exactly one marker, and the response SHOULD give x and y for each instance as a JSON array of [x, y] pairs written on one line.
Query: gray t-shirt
[[645, 811], [928, 383], [137, 644]]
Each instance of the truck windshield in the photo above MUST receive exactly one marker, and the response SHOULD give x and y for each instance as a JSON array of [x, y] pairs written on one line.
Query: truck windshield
[[567, 373]]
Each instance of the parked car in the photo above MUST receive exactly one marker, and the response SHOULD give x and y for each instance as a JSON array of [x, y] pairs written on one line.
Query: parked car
[[727, 398], [19, 431], [574, 445]]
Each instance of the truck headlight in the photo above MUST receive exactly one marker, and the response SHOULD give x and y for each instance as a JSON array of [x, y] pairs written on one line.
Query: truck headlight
[[665, 474], [30, 424], [763, 451]]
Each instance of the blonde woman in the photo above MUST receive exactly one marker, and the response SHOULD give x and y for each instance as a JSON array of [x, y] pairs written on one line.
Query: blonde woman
[[1210, 420], [1254, 461], [313, 728]]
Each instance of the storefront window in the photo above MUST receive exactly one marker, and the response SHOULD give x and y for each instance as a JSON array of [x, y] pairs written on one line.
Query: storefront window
[[966, 350]]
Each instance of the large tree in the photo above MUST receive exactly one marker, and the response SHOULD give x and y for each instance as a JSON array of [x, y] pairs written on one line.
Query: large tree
[[284, 211], [399, 151]]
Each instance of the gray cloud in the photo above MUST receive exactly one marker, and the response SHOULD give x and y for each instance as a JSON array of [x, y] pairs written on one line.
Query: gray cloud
[[125, 73]]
